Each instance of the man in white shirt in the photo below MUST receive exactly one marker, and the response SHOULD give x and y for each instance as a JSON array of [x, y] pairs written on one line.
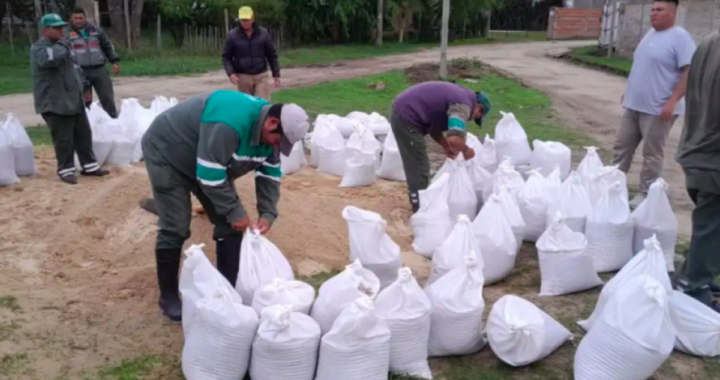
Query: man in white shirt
[[655, 92]]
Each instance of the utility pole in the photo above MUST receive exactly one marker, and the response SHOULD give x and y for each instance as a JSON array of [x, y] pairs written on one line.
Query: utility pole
[[380, 13], [444, 37]]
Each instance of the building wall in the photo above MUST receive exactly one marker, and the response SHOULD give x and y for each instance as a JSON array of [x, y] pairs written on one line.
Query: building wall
[[567, 23]]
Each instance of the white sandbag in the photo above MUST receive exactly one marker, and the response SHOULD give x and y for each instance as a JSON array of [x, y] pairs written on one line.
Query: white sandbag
[[496, 239], [345, 126], [588, 169], [260, 263], [488, 155], [512, 212], [457, 308], [161, 104], [480, 177], [547, 154], [632, 338], [331, 152], [565, 266], [341, 290], [447, 168], [432, 223], [102, 136], [370, 243], [378, 124], [391, 166], [511, 140], [296, 294], [649, 261], [286, 345], [697, 326], [295, 161], [357, 347], [609, 231], [655, 216], [363, 156], [520, 333], [611, 174], [23, 150], [451, 254], [321, 132], [7, 159], [363, 140], [572, 201], [474, 143], [406, 310], [462, 199], [505, 176], [221, 339], [359, 116], [124, 143], [533, 200]]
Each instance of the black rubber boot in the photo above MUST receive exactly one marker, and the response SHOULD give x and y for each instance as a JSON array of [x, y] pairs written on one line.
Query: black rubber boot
[[414, 201], [168, 265], [227, 256], [96, 173]]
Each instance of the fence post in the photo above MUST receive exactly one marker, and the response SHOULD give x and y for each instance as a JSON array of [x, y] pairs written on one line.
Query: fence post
[[38, 16], [11, 22], [128, 31], [227, 21], [159, 32], [613, 23]]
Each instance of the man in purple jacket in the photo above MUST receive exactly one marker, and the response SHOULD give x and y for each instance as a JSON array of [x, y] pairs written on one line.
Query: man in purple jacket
[[440, 109]]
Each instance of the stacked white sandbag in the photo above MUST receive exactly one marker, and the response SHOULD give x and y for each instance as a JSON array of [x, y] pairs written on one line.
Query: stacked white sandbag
[[363, 157], [565, 265], [296, 294], [406, 310], [497, 242], [321, 132], [572, 201], [588, 169], [520, 333], [360, 116], [357, 347], [261, 262], [328, 145], [102, 137], [341, 290], [697, 326], [480, 178], [548, 154], [649, 261], [606, 175], [345, 126], [488, 155], [295, 161], [655, 216], [632, 338], [123, 132], [370, 243], [199, 280], [512, 212], [143, 118], [7, 158], [161, 104], [391, 166], [609, 231], [23, 149], [447, 167], [451, 254], [533, 200], [432, 223], [506, 176], [511, 140], [462, 199], [457, 308], [220, 342], [378, 124], [286, 345], [474, 143]]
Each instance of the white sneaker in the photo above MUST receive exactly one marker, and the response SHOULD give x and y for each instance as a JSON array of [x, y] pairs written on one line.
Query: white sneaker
[[635, 202]]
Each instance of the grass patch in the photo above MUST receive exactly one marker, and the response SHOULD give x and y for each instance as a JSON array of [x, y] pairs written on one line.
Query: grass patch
[[7, 330], [317, 280], [142, 367], [10, 303], [13, 363], [593, 56]]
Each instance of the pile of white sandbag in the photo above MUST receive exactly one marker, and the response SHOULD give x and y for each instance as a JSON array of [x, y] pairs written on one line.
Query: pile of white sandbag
[[17, 154]]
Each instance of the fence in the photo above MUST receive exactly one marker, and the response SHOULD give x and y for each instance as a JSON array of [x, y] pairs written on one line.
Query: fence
[[568, 23]]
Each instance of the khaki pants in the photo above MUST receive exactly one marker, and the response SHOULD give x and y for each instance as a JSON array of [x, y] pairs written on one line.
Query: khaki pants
[[636, 127], [257, 85]]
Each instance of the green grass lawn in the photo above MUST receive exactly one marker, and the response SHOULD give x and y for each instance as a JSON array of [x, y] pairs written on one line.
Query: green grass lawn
[[591, 55]]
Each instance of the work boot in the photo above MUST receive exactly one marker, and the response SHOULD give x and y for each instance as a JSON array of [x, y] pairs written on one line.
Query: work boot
[[96, 173], [414, 201], [227, 257], [168, 265], [148, 204], [636, 201], [69, 179]]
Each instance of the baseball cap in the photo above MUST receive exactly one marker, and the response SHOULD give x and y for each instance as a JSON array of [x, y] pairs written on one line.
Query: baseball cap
[[245, 13], [295, 125], [52, 20], [486, 106]]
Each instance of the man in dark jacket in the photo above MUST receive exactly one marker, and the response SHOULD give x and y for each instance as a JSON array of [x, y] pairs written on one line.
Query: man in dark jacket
[[248, 50], [699, 155], [92, 49], [60, 92]]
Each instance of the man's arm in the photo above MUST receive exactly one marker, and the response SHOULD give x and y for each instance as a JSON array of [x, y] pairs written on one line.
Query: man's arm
[[685, 49], [50, 57], [458, 115], [216, 146], [228, 55], [272, 56], [267, 188], [107, 47]]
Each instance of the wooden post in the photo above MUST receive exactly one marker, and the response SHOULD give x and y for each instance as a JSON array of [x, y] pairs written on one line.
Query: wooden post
[[227, 21], [128, 31], [444, 38], [38, 16], [159, 32], [11, 22], [380, 12]]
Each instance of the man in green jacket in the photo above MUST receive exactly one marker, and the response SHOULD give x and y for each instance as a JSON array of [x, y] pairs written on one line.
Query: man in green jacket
[[92, 49], [200, 147], [59, 92]]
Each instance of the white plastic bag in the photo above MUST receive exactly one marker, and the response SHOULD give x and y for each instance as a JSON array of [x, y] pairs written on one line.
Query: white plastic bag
[[345, 126], [511, 140], [520, 333], [295, 161], [432, 223], [357, 347], [655, 216], [565, 266], [296, 294], [286, 345], [451, 254], [322, 131], [505, 176], [609, 231], [462, 199], [488, 155], [649, 261], [378, 124], [340, 291], [512, 213], [406, 310], [221, 339], [457, 309], [533, 200], [260, 263], [632, 338], [23, 150], [391, 166], [496, 240], [572, 201], [547, 154], [697, 325], [370, 243], [7, 158]]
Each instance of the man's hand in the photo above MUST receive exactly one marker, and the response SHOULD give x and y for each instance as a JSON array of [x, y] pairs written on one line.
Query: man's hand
[[234, 79], [666, 113], [262, 226], [242, 224], [277, 82], [469, 153], [116, 68], [450, 152]]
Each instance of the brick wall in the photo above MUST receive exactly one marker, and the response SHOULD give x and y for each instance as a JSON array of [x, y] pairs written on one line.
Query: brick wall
[[567, 23]]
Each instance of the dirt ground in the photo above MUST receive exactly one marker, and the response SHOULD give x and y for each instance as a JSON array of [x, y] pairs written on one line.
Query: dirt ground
[[79, 259]]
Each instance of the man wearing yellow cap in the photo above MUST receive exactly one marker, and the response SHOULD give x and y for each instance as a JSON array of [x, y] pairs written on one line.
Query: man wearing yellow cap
[[249, 50]]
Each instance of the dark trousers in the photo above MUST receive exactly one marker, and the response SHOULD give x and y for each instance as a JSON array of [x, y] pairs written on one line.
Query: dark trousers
[[702, 264], [413, 151], [99, 78], [70, 134]]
